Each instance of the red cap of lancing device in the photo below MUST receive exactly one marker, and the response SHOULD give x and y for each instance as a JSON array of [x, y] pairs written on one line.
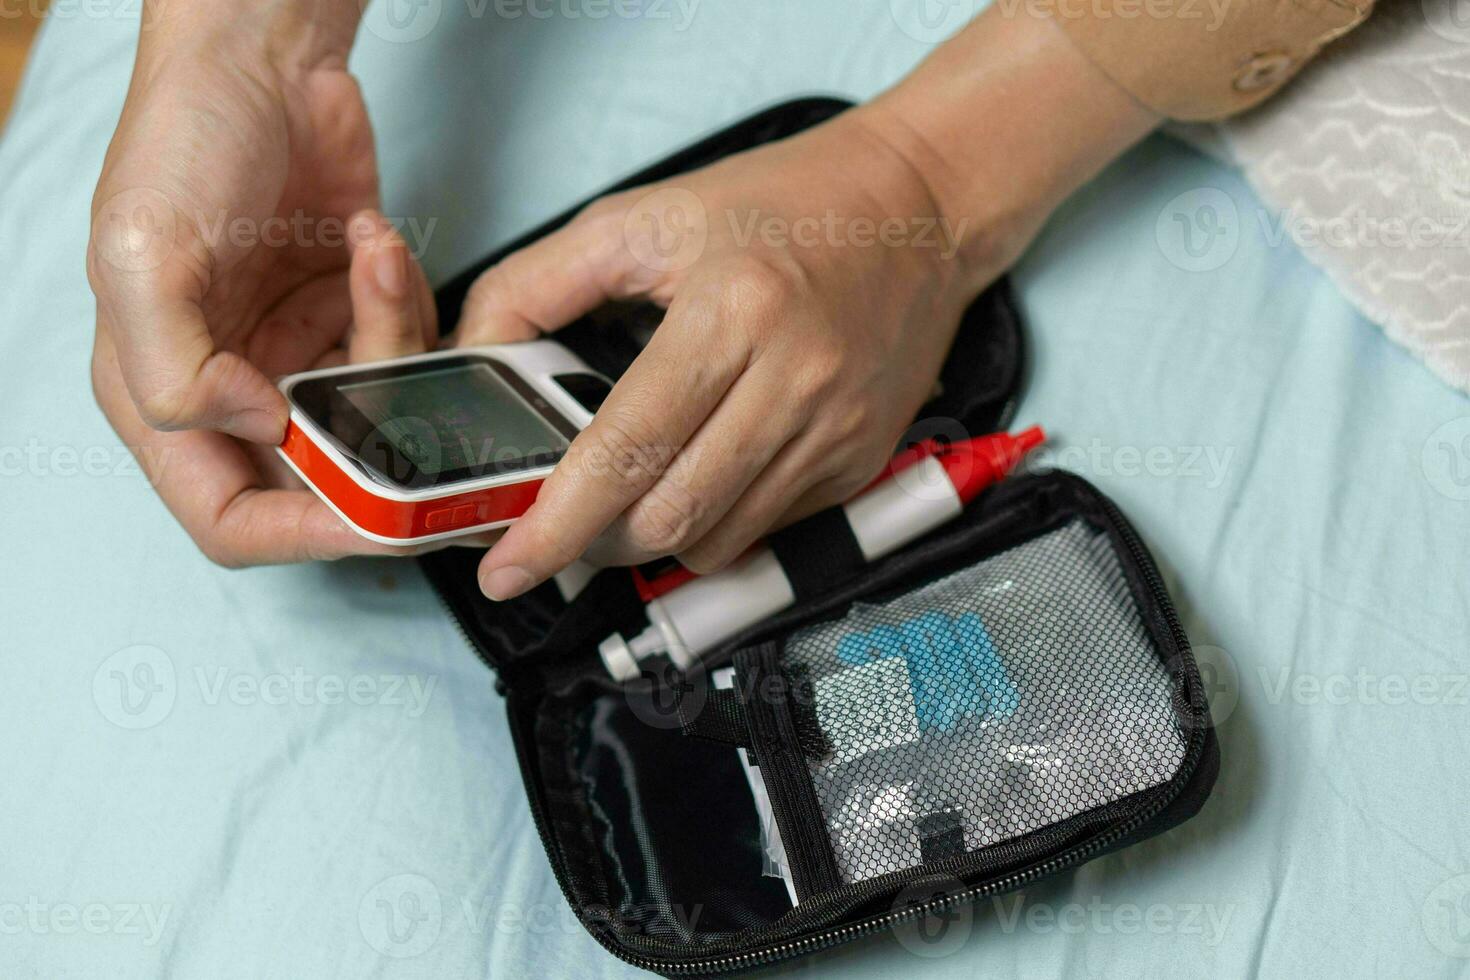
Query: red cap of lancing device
[[975, 464]]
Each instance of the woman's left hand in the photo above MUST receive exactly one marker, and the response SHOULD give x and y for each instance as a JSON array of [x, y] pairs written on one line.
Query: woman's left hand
[[812, 292]]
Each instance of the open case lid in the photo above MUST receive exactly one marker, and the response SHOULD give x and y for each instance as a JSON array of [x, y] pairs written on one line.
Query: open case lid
[[645, 824], [979, 384]]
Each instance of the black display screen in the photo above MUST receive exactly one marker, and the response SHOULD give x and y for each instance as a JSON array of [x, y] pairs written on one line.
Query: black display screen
[[433, 423]]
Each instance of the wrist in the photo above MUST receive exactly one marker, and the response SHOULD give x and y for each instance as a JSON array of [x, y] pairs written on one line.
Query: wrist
[[288, 35], [1001, 124]]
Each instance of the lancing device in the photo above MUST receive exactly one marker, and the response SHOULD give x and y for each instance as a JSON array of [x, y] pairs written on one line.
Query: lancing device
[[922, 488]]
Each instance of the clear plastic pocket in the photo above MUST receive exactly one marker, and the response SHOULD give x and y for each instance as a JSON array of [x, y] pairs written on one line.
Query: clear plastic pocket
[[988, 705]]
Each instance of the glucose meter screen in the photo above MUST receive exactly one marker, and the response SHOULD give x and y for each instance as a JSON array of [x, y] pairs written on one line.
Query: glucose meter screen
[[455, 421]]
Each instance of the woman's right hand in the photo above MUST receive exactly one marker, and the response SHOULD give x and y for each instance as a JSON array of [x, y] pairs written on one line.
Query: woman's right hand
[[236, 237]]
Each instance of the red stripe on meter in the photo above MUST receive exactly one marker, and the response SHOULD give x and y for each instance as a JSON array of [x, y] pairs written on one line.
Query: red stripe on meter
[[403, 519]]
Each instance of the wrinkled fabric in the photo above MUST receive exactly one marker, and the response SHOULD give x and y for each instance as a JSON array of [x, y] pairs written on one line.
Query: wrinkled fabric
[[241, 760], [1361, 165]]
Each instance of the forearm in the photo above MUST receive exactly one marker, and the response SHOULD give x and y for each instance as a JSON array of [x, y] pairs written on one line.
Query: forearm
[[1002, 123]]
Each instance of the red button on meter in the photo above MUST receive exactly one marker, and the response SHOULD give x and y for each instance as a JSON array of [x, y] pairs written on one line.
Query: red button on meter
[[448, 518]]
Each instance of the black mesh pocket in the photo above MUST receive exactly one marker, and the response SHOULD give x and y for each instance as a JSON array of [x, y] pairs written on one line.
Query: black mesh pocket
[[993, 703]]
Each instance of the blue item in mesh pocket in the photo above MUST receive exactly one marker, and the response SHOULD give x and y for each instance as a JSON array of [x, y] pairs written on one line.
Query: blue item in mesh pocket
[[997, 701], [954, 672]]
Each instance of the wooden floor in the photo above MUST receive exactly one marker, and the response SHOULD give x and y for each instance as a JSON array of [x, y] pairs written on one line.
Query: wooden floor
[[18, 25]]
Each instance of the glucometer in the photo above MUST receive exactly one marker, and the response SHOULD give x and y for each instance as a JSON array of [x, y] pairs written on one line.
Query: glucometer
[[437, 445]]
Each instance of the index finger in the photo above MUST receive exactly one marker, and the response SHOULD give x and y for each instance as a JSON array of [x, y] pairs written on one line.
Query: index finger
[[671, 388]]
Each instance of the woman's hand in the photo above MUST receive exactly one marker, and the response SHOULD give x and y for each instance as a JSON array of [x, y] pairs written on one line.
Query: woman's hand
[[812, 289], [235, 238], [812, 292]]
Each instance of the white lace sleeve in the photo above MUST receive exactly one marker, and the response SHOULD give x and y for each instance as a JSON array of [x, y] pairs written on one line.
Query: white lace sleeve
[[1364, 163]]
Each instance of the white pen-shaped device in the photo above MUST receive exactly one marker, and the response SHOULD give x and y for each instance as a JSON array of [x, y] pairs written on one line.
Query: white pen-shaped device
[[921, 490]]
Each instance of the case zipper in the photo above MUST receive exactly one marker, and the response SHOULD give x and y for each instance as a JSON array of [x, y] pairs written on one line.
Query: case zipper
[[857, 930], [832, 937]]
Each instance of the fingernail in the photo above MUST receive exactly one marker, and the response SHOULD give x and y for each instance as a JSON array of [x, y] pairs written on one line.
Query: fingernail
[[505, 583], [255, 425], [391, 271], [362, 229]]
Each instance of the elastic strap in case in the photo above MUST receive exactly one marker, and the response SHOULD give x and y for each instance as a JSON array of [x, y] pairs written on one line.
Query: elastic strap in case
[[774, 705], [720, 715], [817, 551]]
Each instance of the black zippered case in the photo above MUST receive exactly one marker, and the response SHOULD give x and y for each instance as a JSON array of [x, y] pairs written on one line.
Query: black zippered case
[[1006, 698]]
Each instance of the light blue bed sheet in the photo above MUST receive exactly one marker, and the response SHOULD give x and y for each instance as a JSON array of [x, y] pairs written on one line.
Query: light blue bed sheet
[[304, 772]]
